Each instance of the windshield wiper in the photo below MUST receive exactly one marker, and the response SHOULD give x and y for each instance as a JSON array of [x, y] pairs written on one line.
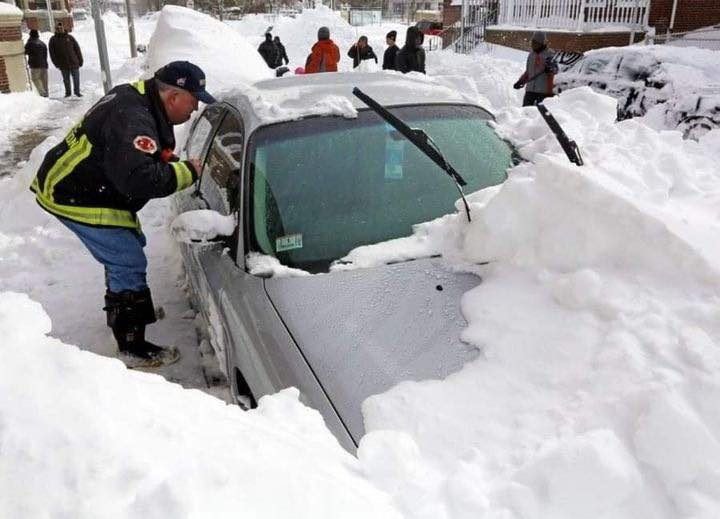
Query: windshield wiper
[[420, 139], [568, 145]]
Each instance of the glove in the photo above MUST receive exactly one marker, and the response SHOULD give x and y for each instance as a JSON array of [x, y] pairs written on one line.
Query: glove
[[550, 66], [518, 85], [167, 155]]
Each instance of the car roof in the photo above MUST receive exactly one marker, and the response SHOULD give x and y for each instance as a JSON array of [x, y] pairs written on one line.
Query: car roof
[[306, 95]]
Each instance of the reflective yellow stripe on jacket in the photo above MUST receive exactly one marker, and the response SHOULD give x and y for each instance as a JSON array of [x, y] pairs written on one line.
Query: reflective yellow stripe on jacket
[[139, 86], [182, 174], [78, 150], [91, 215]]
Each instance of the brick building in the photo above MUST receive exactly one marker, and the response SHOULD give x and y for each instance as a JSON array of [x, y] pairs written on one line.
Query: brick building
[[36, 14], [13, 77], [580, 25], [689, 14]]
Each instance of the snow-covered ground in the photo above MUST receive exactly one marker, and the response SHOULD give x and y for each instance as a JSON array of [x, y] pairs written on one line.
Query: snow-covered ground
[[596, 394], [705, 38]]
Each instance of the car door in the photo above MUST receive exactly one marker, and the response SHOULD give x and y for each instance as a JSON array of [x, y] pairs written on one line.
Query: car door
[[244, 335], [245, 328]]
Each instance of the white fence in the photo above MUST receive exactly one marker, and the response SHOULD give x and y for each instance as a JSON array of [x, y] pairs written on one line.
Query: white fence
[[578, 15]]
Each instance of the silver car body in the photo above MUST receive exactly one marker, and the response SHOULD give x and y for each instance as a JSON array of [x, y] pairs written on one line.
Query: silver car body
[[338, 337]]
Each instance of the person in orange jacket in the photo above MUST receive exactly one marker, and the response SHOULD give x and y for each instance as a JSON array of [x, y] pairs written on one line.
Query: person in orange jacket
[[325, 54]]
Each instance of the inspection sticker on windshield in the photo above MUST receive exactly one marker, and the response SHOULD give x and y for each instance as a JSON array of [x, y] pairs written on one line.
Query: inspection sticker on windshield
[[394, 156], [289, 242]]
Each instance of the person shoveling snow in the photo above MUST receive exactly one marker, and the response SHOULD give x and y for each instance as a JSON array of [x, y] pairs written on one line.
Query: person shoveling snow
[[106, 169]]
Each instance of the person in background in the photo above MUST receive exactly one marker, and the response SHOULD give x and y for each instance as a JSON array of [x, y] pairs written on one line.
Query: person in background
[[325, 55], [116, 159], [66, 56], [269, 51], [412, 56], [390, 52], [361, 51], [540, 69], [281, 54], [37, 52]]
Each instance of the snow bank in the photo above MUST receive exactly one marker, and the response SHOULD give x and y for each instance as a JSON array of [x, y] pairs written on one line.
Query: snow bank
[[493, 77], [299, 34], [20, 112], [673, 88], [596, 391], [226, 58], [84, 437]]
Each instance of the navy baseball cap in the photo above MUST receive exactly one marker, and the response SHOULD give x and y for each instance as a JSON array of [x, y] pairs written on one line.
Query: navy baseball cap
[[185, 75]]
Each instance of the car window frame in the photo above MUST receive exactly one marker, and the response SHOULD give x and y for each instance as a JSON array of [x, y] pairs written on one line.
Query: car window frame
[[211, 135], [238, 241]]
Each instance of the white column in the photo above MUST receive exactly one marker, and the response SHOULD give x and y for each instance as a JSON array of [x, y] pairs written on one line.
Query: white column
[[581, 16]]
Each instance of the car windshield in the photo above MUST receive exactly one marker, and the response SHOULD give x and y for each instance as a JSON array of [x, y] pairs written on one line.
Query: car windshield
[[323, 186]]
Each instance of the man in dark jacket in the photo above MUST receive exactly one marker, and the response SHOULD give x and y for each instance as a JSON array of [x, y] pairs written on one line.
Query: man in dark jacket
[[412, 56], [281, 54], [37, 52], [269, 51], [391, 51], [65, 55], [111, 163], [540, 70], [361, 51]]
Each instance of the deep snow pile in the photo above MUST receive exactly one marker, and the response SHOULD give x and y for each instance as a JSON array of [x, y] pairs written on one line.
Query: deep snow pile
[[493, 77], [81, 436], [597, 392], [227, 59], [672, 87], [299, 34]]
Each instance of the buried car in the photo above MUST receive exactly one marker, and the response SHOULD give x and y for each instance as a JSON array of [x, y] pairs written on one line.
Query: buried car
[[679, 87], [309, 173]]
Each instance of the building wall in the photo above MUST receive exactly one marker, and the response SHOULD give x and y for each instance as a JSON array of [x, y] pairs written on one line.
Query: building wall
[[690, 14], [39, 20], [451, 13], [13, 76], [568, 41]]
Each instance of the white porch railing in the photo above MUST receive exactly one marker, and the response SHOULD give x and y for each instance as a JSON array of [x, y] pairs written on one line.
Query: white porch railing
[[580, 15]]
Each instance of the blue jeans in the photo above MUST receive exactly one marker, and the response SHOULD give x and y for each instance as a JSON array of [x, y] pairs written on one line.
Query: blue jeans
[[119, 250], [75, 73]]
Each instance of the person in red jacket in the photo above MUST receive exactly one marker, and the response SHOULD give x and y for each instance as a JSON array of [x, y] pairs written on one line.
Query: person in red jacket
[[325, 54]]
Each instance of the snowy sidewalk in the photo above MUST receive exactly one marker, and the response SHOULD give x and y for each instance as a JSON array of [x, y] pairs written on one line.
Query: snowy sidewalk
[[40, 257]]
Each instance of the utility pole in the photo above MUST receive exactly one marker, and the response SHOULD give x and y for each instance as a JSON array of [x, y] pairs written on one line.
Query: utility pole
[[102, 45], [51, 18], [463, 16], [131, 29]]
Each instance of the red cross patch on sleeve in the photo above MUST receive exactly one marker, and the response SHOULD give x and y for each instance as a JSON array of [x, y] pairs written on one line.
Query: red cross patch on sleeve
[[145, 144]]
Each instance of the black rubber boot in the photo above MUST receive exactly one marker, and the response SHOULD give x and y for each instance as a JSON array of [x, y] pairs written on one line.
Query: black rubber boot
[[128, 312]]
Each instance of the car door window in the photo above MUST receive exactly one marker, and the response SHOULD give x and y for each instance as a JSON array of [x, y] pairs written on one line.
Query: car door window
[[220, 182], [199, 140]]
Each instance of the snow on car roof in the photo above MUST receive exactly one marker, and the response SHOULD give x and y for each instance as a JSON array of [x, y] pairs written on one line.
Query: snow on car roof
[[299, 96]]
